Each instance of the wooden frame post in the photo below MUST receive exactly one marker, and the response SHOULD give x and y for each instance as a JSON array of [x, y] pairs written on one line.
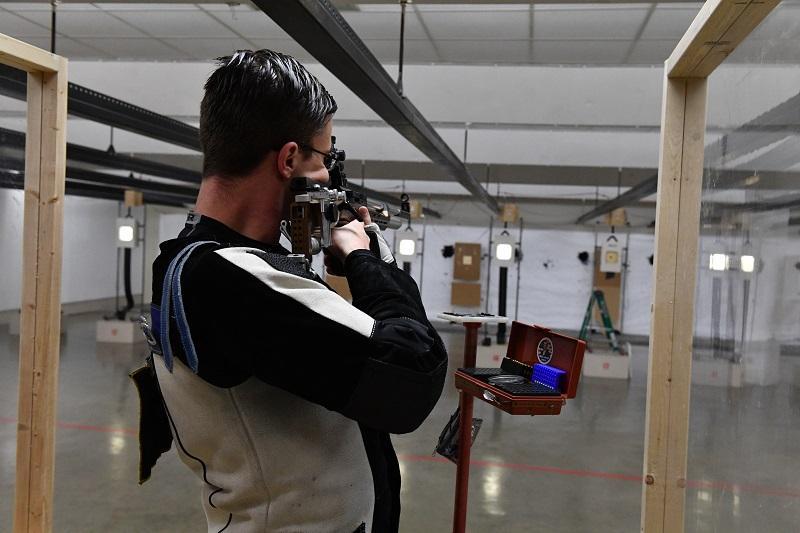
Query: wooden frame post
[[719, 27], [45, 165], [680, 179]]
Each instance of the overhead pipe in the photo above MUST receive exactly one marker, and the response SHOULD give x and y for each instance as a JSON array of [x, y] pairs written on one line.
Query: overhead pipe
[[15, 167], [12, 179]]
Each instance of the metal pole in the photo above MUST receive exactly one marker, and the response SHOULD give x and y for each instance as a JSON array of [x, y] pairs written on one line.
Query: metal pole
[[422, 250], [144, 257], [402, 45], [489, 265], [465, 434], [116, 285], [501, 304], [519, 265], [53, 5], [624, 275]]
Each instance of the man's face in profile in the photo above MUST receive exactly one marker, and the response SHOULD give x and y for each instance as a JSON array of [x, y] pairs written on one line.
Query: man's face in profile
[[313, 163]]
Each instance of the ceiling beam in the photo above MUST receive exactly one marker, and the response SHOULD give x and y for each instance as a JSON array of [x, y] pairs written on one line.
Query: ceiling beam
[[531, 200], [102, 158], [714, 34], [745, 139], [179, 193], [12, 179], [351, 4], [118, 161], [98, 107], [319, 28]]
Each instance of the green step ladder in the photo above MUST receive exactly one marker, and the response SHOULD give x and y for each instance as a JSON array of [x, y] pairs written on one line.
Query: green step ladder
[[611, 334]]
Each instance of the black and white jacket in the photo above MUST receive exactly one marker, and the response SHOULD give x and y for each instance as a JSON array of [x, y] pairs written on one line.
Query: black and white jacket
[[287, 417]]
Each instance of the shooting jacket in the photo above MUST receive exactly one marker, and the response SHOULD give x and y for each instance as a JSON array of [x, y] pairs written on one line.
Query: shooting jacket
[[283, 402]]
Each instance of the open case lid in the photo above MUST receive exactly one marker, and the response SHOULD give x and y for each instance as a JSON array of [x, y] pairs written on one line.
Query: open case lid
[[535, 344]]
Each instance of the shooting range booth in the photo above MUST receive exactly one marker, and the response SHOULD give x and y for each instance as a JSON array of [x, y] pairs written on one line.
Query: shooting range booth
[[712, 37]]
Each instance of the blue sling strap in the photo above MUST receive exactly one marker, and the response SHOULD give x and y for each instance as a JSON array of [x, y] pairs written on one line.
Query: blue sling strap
[[171, 294]]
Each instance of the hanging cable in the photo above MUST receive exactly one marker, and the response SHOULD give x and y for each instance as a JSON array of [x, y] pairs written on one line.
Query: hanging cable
[[487, 340], [402, 45], [519, 263], [363, 171], [111, 150], [53, 6]]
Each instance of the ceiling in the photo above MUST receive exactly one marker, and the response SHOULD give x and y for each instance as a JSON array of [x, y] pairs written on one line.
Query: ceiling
[[492, 33], [440, 32], [514, 33]]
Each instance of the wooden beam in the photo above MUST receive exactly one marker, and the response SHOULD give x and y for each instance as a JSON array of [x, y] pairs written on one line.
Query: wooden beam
[[671, 327], [716, 32], [27, 57], [45, 156]]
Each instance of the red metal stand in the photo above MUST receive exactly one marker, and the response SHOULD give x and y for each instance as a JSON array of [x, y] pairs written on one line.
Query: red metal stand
[[465, 437], [529, 345]]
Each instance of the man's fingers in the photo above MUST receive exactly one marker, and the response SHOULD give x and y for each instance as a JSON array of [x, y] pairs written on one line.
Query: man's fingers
[[363, 212]]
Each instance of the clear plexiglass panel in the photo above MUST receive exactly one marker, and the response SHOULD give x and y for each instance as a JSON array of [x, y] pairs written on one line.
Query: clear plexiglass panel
[[13, 117], [744, 440]]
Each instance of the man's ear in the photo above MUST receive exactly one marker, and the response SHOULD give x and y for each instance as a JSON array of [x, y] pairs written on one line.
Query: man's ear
[[288, 157]]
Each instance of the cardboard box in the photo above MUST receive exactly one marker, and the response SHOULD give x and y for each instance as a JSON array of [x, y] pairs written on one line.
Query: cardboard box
[[617, 217], [467, 261], [509, 213], [465, 294]]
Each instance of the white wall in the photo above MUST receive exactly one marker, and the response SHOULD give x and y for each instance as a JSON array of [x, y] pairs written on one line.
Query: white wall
[[90, 251], [555, 296]]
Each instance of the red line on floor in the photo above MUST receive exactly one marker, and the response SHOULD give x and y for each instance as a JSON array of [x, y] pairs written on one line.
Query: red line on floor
[[84, 427], [694, 484]]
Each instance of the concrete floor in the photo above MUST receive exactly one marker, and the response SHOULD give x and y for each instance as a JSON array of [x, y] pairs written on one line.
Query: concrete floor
[[577, 472]]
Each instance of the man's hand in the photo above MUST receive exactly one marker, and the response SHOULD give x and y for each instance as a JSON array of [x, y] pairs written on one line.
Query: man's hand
[[348, 238]]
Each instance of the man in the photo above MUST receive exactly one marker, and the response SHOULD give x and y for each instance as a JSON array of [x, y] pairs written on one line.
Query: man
[[279, 393]]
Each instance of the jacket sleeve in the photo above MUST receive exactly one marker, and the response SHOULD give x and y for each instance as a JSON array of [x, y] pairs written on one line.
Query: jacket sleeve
[[377, 361]]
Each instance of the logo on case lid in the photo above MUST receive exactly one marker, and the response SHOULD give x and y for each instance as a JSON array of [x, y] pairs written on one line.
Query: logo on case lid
[[544, 351]]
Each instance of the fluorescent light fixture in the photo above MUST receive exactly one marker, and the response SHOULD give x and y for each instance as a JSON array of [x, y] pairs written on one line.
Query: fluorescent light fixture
[[127, 236], [407, 247], [719, 262], [504, 252], [747, 263]]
